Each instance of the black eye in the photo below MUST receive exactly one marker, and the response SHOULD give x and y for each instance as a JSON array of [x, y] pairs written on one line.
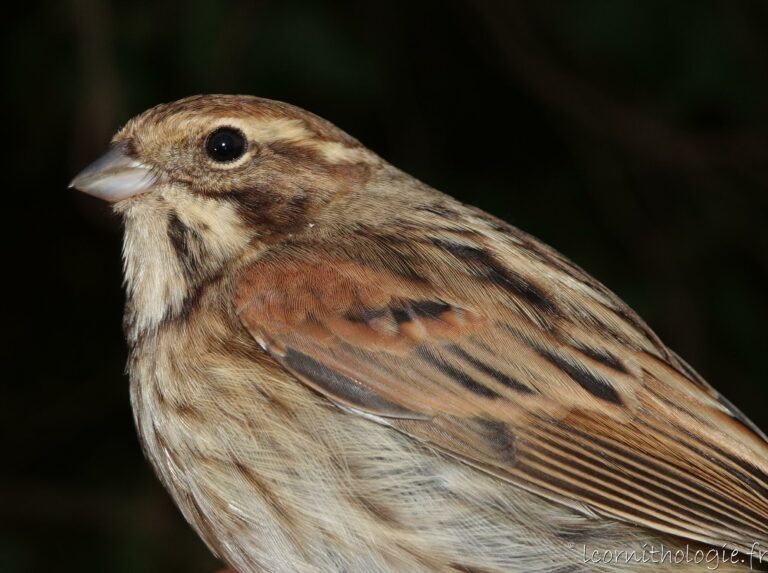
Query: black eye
[[225, 144]]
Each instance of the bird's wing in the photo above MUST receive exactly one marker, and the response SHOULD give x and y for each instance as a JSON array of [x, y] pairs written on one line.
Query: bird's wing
[[497, 350]]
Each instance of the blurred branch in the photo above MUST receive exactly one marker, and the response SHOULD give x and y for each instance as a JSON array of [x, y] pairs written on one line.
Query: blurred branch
[[705, 159], [715, 164], [97, 107], [584, 103], [98, 102]]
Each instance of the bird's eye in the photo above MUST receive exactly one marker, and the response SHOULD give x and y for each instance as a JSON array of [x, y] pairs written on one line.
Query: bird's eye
[[225, 144]]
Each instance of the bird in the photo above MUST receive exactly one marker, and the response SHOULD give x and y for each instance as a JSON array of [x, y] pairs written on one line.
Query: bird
[[335, 367]]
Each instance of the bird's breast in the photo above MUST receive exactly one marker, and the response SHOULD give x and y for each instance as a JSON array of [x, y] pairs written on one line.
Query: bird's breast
[[273, 477]]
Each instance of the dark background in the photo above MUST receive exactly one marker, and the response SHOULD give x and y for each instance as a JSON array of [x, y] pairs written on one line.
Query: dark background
[[630, 135]]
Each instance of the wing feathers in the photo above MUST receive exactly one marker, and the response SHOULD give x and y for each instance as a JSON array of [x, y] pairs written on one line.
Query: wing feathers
[[343, 388], [516, 362]]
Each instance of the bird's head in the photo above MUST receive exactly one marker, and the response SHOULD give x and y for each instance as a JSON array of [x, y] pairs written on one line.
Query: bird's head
[[204, 181], [274, 163]]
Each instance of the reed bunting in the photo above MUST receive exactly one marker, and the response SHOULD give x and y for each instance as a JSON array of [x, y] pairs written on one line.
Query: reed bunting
[[336, 368]]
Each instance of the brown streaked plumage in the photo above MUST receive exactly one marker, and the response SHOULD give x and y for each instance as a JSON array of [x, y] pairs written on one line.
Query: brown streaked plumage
[[335, 367]]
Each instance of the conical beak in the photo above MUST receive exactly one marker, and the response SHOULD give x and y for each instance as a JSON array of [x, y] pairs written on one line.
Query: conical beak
[[114, 176]]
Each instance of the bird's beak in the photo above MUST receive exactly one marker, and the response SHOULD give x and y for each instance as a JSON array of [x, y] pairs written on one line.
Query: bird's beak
[[114, 176]]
